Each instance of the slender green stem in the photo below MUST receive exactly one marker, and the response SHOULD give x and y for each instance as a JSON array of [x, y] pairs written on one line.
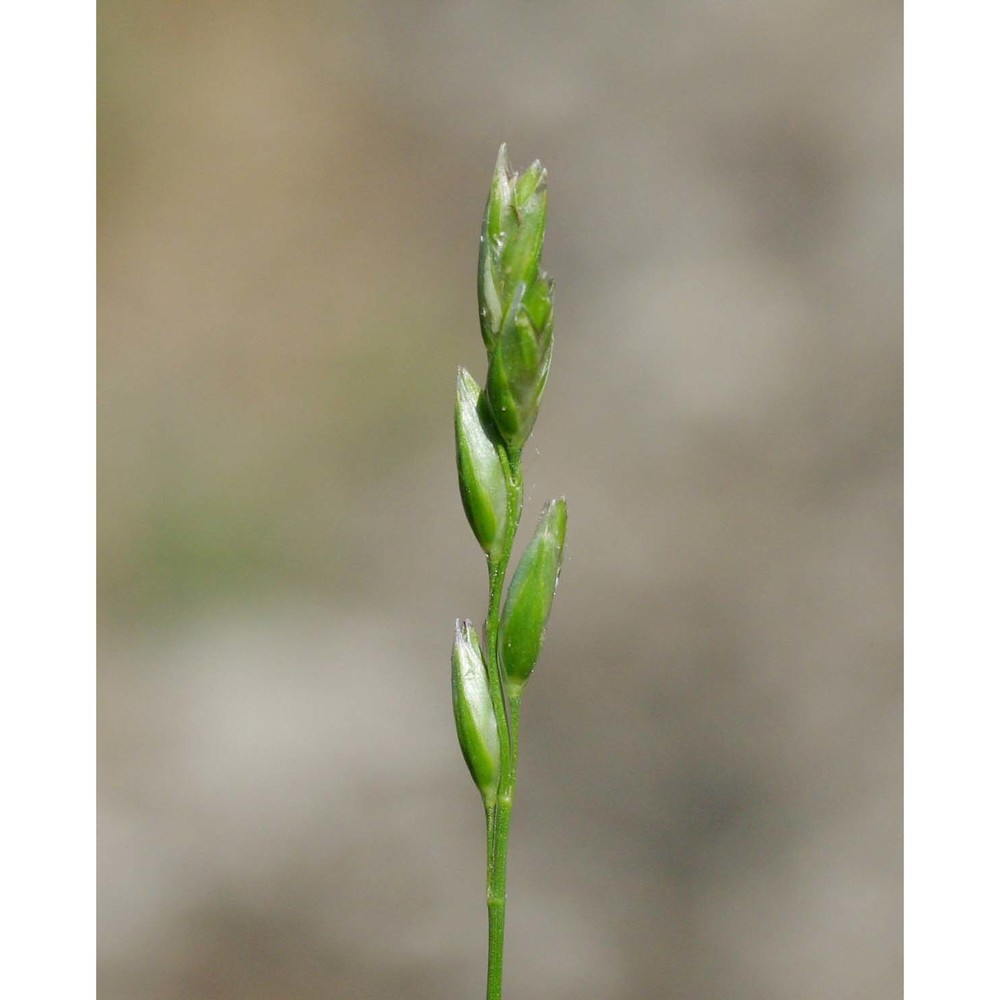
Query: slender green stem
[[498, 817], [497, 896]]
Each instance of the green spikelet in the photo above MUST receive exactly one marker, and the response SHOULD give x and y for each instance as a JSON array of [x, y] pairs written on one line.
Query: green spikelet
[[475, 721], [515, 298], [482, 480], [529, 599]]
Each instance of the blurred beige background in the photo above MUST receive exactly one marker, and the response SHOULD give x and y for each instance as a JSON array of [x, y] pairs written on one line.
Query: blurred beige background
[[289, 206]]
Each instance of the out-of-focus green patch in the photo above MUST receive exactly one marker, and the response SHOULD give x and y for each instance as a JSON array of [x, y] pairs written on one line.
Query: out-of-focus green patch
[[233, 496], [188, 553]]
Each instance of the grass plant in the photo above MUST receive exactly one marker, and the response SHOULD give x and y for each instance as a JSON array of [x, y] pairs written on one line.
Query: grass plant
[[491, 428]]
